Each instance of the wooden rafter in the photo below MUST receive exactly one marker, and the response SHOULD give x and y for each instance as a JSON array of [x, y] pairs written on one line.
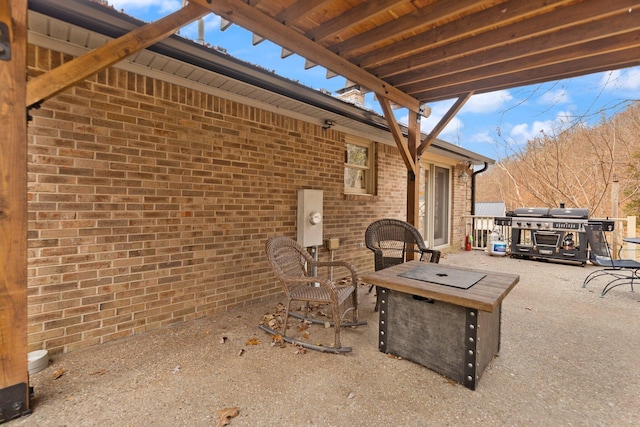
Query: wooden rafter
[[461, 31], [361, 13], [55, 81], [572, 42], [444, 121], [604, 62], [260, 23], [298, 11], [412, 23], [534, 63], [401, 143]]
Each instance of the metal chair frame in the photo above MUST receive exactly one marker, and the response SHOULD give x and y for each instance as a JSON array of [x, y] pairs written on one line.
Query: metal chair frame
[[623, 271]]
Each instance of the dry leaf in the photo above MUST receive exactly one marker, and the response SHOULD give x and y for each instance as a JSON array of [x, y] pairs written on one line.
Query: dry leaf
[[305, 336], [224, 416], [327, 325], [303, 327], [57, 374], [253, 341]]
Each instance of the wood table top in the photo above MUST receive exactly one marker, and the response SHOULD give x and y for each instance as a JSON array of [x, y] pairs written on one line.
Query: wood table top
[[485, 295]]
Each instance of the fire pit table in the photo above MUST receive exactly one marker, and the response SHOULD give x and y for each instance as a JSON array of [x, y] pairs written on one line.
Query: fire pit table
[[443, 317]]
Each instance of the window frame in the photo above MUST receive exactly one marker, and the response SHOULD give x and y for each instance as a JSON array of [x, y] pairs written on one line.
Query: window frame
[[369, 168]]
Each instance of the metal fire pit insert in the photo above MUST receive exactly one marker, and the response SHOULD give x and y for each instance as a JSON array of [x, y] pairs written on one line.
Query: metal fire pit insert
[[444, 276]]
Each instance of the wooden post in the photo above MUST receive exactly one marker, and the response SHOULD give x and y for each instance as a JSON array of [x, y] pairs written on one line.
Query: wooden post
[[14, 375], [413, 177]]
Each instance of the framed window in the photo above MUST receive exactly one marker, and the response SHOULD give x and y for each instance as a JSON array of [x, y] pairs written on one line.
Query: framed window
[[358, 166]]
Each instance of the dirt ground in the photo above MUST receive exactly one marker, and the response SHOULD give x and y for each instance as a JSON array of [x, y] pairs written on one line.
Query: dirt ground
[[567, 358]]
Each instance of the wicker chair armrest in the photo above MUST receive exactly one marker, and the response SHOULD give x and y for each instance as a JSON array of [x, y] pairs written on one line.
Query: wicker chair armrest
[[435, 254]]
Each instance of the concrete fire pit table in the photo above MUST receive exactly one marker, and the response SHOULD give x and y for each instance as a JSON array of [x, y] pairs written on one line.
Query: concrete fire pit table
[[442, 317]]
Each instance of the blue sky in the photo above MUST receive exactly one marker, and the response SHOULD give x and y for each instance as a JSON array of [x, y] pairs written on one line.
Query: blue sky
[[491, 124]]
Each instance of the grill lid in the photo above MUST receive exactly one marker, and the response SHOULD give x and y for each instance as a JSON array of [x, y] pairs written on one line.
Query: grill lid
[[573, 213], [531, 212]]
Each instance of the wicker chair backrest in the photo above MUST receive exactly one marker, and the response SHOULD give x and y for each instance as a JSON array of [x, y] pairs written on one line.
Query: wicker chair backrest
[[391, 239], [288, 259]]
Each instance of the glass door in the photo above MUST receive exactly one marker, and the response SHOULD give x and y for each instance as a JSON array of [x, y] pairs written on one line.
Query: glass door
[[441, 206]]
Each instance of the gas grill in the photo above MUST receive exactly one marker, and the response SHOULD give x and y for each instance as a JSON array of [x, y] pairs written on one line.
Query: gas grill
[[550, 233]]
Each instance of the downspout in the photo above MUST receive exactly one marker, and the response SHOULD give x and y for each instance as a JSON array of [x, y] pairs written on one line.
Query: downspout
[[473, 187]]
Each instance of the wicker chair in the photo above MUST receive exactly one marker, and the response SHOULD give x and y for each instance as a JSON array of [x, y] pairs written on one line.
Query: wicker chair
[[294, 266], [391, 240]]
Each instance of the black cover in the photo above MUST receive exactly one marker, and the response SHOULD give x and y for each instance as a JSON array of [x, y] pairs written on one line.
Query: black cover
[[573, 213], [531, 212]]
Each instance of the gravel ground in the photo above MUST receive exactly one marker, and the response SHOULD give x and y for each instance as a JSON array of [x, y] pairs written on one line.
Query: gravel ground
[[567, 358]]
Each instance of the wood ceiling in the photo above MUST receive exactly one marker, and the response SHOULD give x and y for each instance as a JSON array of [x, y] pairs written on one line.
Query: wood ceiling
[[421, 51]]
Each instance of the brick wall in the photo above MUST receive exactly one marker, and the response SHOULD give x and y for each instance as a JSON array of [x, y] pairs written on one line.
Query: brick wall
[[149, 204]]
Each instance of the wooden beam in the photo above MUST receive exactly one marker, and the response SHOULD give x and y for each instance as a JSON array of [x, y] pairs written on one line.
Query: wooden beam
[[543, 62], [254, 20], [417, 22], [298, 11], [605, 62], [55, 81], [14, 375], [444, 121], [567, 27], [354, 16], [470, 26], [413, 179], [401, 143]]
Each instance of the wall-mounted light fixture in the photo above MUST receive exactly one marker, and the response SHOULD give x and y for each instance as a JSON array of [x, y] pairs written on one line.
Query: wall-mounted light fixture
[[463, 176], [328, 124]]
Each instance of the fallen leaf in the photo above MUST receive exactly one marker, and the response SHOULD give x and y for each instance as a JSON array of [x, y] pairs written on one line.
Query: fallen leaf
[[303, 327], [305, 336], [327, 325], [225, 414], [57, 374], [253, 341], [277, 339]]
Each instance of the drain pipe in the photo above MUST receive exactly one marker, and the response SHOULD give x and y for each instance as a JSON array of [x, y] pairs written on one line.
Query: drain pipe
[[473, 187]]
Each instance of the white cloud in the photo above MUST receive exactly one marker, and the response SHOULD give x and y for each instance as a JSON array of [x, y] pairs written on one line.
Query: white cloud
[[622, 79], [487, 102], [484, 137], [554, 97], [527, 131]]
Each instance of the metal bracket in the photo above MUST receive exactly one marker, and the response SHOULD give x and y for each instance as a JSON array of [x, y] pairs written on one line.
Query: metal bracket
[[471, 349], [13, 402], [384, 317], [5, 42]]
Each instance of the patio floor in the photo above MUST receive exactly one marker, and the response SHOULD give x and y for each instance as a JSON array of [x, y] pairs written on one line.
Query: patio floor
[[568, 357]]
